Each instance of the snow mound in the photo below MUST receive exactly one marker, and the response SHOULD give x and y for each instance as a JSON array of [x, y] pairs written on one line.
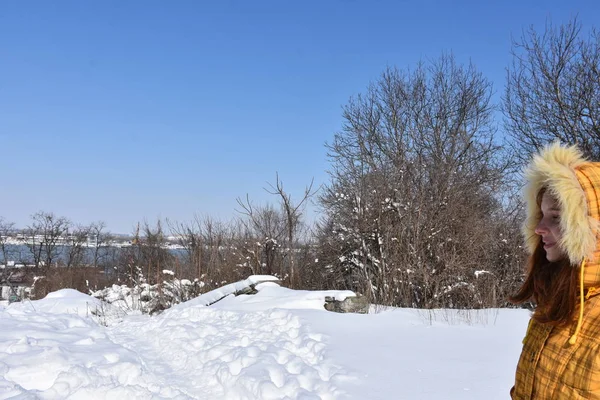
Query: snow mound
[[64, 301]]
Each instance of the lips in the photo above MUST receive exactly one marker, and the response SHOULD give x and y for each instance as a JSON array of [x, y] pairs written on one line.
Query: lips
[[549, 245]]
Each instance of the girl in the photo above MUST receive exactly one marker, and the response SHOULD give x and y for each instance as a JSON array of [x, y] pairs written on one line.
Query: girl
[[561, 350]]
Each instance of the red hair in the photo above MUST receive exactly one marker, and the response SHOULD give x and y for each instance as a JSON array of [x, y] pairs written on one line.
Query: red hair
[[552, 286]]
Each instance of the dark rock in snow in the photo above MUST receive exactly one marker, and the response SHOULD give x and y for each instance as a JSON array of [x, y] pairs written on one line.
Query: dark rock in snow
[[352, 304]]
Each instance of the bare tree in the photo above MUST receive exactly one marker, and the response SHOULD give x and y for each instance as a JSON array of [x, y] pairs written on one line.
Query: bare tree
[[46, 232], [275, 231], [76, 244], [189, 236], [214, 235], [101, 240], [553, 89], [6, 230], [293, 213], [154, 254], [267, 225]]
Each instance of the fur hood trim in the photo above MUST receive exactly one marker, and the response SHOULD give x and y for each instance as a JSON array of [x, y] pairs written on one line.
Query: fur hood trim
[[556, 168]]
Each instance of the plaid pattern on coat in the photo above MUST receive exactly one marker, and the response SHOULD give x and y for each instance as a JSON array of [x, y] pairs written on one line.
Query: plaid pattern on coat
[[551, 368]]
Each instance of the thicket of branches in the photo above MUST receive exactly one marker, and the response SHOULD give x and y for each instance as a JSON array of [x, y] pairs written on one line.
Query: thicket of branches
[[421, 209], [552, 90]]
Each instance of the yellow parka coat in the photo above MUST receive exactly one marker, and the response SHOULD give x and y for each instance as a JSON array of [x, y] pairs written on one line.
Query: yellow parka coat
[[564, 363]]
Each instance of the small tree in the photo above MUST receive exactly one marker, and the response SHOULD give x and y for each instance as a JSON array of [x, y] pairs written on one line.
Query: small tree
[[45, 234], [293, 213], [155, 257], [189, 236], [101, 241], [264, 225], [76, 242], [276, 230]]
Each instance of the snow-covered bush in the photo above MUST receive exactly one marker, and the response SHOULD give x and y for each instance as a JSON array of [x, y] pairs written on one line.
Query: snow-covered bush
[[147, 298]]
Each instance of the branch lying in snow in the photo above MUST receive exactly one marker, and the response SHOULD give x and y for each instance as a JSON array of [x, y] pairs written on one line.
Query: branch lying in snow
[[246, 286]]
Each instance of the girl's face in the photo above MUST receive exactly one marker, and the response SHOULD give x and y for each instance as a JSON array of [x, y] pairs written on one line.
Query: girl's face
[[549, 228]]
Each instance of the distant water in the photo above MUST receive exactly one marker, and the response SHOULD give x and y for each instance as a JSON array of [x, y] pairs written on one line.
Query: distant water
[[21, 254]]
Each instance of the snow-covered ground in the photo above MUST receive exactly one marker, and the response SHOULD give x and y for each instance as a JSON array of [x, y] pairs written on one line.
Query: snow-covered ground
[[277, 344]]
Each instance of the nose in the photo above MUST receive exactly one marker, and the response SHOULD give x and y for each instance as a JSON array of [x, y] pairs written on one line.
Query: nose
[[541, 229]]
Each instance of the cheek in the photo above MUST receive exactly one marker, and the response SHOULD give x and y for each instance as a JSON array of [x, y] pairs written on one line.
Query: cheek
[[556, 233]]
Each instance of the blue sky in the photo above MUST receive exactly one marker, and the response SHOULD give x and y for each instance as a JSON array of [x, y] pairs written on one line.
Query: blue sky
[[122, 111]]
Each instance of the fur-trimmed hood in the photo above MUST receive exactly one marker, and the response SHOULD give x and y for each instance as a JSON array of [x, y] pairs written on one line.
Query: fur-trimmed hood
[[575, 183]]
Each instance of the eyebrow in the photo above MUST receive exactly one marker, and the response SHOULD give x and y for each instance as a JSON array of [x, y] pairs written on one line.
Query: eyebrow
[[555, 209]]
